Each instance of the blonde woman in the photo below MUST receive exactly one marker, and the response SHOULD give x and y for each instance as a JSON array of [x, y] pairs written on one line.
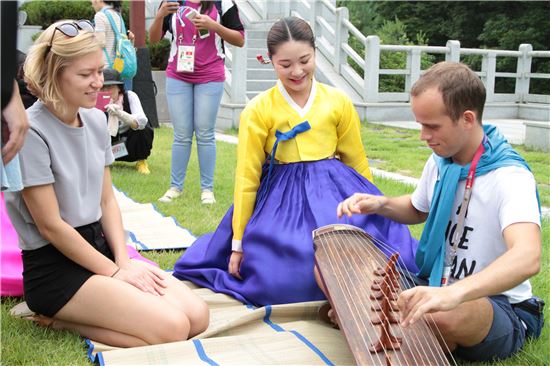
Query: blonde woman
[[77, 274]]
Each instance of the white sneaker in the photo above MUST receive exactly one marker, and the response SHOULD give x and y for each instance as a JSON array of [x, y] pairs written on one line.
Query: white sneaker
[[170, 195], [207, 197]]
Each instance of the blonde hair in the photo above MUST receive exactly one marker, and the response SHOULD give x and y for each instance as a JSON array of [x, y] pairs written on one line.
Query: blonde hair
[[46, 61]]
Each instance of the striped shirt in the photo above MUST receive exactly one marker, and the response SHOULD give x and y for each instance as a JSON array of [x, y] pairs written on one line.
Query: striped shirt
[[102, 25]]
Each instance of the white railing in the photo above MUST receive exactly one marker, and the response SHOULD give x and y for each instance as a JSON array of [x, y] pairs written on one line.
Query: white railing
[[332, 28], [235, 71]]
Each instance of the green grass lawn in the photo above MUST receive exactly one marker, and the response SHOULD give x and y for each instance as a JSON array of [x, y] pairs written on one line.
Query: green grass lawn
[[391, 149]]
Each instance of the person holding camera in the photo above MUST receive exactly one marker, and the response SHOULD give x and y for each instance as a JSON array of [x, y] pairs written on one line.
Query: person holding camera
[[127, 123], [194, 81]]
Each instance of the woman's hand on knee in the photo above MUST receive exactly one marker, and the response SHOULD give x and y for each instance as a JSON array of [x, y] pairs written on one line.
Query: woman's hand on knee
[[145, 277]]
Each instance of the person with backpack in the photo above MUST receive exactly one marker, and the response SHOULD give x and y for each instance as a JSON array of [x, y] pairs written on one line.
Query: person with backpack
[[118, 42], [194, 81], [131, 135]]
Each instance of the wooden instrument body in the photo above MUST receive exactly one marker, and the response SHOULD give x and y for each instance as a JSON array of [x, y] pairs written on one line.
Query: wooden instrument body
[[348, 259]]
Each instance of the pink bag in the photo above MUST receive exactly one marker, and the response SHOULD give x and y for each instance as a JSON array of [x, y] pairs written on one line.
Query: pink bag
[[11, 266]]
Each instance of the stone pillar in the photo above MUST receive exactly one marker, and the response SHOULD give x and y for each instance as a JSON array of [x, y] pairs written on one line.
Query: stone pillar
[[372, 69], [523, 70], [414, 65], [341, 37], [454, 51], [238, 74], [489, 67]]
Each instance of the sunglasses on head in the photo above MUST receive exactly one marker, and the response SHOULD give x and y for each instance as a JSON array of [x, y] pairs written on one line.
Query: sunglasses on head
[[71, 28]]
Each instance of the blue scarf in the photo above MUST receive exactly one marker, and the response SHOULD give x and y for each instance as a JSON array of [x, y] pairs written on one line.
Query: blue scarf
[[430, 254]]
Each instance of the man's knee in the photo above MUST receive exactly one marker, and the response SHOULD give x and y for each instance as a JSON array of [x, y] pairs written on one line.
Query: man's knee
[[504, 337], [466, 325]]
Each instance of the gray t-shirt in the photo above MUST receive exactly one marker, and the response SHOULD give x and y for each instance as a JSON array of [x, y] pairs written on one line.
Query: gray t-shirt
[[73, 159]]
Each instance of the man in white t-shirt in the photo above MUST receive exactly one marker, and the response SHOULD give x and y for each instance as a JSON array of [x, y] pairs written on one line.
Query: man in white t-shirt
[[480, 245]]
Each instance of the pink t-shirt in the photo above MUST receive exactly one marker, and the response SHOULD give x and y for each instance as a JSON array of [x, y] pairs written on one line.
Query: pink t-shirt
[[209, 53]]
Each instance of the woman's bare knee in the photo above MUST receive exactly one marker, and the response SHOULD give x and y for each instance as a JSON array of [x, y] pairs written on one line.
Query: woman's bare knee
[[199, 317], [170, 326]]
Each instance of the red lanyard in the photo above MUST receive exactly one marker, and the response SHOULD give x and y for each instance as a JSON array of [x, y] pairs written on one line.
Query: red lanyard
[[471, 173], [451, 253]]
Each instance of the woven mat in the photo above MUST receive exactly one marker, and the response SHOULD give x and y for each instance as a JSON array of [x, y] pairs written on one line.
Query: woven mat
[[148, 229], [290, 334]]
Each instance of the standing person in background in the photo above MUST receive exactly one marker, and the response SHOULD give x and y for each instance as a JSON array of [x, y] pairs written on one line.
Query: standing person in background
[[14, 123], [26, 96], [194, 82], [299, 154], [14, 127], [102, 24], [77, 272], [127, 122]]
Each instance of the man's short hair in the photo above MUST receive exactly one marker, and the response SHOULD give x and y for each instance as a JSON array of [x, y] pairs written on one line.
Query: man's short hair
[[459, 86]]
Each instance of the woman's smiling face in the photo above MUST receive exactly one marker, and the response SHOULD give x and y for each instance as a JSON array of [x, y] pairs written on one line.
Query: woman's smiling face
[[294, 63]]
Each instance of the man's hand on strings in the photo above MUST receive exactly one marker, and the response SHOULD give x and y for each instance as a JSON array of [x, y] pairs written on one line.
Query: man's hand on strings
[[235, 264], [360, 203], [416, 302]]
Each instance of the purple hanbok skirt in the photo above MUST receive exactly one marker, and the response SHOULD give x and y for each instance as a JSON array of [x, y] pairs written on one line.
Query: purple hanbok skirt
[[278, 255]]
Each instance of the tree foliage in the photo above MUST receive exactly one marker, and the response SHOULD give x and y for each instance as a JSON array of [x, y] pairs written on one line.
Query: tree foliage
[[44, 13], [476, 24]]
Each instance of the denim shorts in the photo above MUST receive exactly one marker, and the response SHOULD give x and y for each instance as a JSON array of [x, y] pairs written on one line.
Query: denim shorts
[[506, 336]]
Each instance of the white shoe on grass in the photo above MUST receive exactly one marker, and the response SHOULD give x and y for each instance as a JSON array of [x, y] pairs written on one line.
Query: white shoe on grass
[[207, 197], [171, 194]]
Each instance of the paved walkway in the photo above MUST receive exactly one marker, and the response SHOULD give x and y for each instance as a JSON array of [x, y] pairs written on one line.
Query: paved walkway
[[512, 129]]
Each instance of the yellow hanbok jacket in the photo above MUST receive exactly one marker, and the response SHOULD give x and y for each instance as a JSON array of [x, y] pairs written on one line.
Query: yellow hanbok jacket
[[335, 131]]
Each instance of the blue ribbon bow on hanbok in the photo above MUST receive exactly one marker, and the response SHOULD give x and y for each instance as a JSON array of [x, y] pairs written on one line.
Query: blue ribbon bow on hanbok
[[430, 254], [280, 136]]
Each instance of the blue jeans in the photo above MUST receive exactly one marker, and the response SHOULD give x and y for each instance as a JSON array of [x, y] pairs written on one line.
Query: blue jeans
[[193, 108]]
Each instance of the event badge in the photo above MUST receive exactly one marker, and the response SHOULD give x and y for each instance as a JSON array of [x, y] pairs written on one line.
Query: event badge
[[119, 150], [186, 59]]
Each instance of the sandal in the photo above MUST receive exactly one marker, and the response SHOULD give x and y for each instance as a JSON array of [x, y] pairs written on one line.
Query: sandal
[[42, 321]]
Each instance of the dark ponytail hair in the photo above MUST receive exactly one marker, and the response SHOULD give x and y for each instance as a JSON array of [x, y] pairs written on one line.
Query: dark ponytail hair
[[206, 5], [288, 29], [117, 5]]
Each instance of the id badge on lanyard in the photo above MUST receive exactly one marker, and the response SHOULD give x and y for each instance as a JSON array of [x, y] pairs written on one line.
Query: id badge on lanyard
[[186, 53], [186, 58]]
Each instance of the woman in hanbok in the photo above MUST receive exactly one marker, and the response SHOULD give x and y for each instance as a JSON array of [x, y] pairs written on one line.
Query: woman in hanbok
[[299, 154]]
